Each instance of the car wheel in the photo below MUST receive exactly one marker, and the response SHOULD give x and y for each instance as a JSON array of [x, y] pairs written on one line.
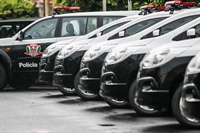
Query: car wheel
[[3, 77], [88, 96], [21, 82], [190, 123], [117, 103], [67, 91], [142, 110]]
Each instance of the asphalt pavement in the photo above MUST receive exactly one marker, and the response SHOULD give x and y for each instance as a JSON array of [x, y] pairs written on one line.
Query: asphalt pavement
[[46, 110]]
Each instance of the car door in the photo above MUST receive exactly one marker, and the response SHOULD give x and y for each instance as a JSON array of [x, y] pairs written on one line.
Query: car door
[[26, 53]]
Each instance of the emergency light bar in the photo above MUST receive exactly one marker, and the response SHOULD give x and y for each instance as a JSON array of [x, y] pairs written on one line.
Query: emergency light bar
[[178, 4], [181, 3], [150, 9], [59, 9]]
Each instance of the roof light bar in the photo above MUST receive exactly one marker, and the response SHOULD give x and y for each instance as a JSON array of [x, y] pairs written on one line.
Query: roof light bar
[[147, 9], [59, 9]]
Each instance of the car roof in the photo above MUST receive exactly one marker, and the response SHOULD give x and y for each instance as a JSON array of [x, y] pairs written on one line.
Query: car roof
[[101, 13], [18, 20]]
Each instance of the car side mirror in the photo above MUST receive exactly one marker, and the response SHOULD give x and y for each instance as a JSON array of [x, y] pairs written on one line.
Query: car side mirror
[[20, 36], [191, 32], [121, 34], [98, 34], [156, 32]]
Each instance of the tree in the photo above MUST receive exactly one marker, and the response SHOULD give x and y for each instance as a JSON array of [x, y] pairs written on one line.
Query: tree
[[112, 5], [18, 8]]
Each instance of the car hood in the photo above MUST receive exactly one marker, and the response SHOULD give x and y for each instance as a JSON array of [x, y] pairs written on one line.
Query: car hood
[[180, 44]]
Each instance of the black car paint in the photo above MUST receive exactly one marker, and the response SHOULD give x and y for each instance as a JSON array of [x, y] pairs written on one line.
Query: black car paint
[[90, 73], [165, 81], [191, 90], [116, 79], [66, 69]]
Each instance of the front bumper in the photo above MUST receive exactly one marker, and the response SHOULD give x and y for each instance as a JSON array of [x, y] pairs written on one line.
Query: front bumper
[[156, 86], [63, 80], [190, 101], [150, 95], [46, 67], [45, 76], [90, 73], [66, 69], [116, 79]]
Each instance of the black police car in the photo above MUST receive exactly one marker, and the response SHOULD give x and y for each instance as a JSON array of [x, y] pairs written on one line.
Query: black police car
[[122, 63], [20, 54], [160, 78], [190, 98]]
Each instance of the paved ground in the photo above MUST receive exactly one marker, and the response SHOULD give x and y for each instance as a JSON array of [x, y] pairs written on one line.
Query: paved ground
[[46, 110]]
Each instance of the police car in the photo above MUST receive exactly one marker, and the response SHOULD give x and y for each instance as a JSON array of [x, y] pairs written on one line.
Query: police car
[[159, 80], [67, 63], [190, 98], [20, 55], [48, 56], [122, 63]]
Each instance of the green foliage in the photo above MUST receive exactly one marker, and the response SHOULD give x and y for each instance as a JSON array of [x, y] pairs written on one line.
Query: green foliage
[[112, 5], [18, 8]]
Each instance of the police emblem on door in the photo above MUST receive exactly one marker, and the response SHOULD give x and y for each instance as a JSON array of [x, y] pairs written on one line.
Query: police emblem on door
[[33, 50]]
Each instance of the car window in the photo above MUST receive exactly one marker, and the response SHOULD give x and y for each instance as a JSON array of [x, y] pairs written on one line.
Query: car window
[[197, 30], [109, 29], [175, 24], [43, 29], [92, 24], [171, 26], [74, 26], [112, 28], [9, 29], [183, 36], [109, 19], [138, 27]]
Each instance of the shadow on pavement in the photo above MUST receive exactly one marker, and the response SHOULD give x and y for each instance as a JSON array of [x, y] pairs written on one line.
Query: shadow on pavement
[[52, 96], [128, 117], [73, 101], [169, 128], [100, 109]]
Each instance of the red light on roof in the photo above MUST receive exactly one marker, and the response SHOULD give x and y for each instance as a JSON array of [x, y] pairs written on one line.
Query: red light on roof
[[191, 4], [146, 6], [67, 8], [160, 8]]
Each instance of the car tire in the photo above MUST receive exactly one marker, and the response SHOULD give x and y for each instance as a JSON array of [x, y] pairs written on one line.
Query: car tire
[[83, 94], [21, 82], [66, 91], [3, 77], [141, 110], [116, 103], [177, 112]]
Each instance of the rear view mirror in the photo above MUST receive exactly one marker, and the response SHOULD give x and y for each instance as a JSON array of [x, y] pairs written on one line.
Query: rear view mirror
[[121, 34], [191, 32], [98, 34], [156, 32], [20, 36]]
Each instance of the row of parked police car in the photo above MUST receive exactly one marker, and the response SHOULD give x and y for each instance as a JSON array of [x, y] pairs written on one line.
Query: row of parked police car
[[147, 59]]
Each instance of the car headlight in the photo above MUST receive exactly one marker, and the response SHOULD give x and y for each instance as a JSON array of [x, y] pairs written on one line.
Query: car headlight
[[65, 52], [50, 50], [194, 65], [115, 56], [95, 52], [154, 60]]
